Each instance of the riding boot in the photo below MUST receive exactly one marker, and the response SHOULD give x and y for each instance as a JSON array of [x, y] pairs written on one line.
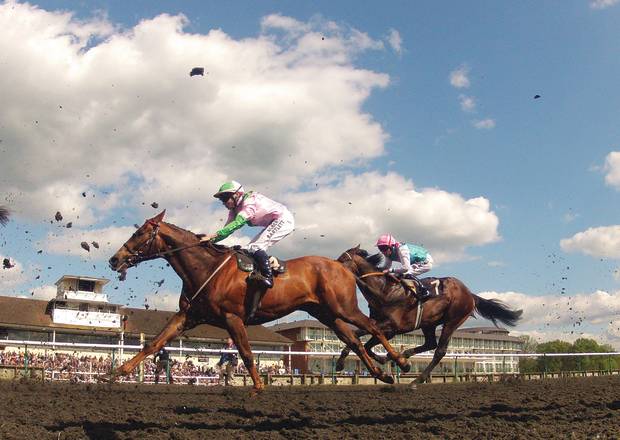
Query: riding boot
[[266, 279], [262, 259]]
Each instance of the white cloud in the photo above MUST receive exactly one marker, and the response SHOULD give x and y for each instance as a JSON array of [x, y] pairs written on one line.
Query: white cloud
[[395, 41], [44, 292], [612, 168], [484, 124], [468, 103], [371, 203], [602, 4], [116, 114], [603, 241], [67, 241], [459, 77], [162, 301], [566, 317], [9, 278]]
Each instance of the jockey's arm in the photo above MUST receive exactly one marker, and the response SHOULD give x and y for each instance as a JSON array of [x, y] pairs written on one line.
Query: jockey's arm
[[404, 257], [238, 222]]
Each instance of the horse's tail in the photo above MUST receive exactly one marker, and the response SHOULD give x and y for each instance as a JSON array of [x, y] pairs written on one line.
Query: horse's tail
[[4, 215], [495, 310]]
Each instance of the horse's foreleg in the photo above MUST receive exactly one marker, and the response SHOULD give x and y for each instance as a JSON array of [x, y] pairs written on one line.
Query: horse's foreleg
[[360, 320], [442, 347], [430, 342], [346, 350], [174, 327], [239, 335], [348, 336]]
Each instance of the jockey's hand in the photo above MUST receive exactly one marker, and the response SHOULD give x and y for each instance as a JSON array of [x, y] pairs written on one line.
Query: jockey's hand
[[386, 271], [207, 237]]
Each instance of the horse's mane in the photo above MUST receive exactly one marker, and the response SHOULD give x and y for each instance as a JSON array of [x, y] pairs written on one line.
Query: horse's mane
[[190, 236], [378, 260]]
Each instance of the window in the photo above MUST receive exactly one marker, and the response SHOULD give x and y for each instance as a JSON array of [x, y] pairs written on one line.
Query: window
[[83, 307], [86, 286]]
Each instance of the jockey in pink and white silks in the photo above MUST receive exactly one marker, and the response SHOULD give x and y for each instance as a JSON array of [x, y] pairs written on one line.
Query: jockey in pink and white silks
[[415, 260], [254, 209]]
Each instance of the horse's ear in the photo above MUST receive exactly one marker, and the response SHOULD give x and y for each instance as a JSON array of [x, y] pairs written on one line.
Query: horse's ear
[[159, 217], [357, 248]]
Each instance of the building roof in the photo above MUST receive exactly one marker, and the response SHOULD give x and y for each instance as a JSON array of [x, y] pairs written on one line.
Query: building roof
[[31, 314], [304, 323], [103, 281], [488, 333]]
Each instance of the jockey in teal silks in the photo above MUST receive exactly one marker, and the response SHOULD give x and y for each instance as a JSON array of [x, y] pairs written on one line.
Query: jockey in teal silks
[[254, 209], [415, 260]]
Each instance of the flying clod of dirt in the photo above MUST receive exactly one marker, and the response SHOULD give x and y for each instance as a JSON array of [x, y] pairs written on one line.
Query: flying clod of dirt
[[4, 215], [85, 246], [197, 71], [6, 264], [95, 244], [58, 216], [155, 205], [69, 225]]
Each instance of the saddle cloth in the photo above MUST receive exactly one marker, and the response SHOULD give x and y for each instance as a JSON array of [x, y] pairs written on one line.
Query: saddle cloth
[[246, 262], [432, 284]]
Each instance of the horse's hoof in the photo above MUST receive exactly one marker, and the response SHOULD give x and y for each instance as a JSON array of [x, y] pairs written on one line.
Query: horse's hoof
[[385, 378], [419, 379], [405, 367], [256, 391]]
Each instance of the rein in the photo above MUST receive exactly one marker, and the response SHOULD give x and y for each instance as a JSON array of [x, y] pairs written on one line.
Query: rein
[[210, 277], [371, 274]]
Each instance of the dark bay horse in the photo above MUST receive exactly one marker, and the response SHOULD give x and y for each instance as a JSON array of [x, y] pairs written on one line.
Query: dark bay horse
[[216, 292], [396, 310]]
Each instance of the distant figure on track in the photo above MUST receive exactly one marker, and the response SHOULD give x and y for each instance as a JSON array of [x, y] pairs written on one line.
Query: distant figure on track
[[227, 364], [162, 363]]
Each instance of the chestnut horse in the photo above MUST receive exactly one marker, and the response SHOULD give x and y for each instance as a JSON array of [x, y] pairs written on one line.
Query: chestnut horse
[[396, 310], [216, 292]]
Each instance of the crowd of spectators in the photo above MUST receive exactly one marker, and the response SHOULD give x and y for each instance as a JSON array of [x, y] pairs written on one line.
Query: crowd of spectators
[[80, 368]]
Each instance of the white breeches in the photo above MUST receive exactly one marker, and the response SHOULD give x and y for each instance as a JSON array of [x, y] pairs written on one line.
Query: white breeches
[[422, 267], [276, 231]]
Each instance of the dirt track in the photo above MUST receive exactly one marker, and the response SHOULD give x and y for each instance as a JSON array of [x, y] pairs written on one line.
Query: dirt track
[[572, 408]]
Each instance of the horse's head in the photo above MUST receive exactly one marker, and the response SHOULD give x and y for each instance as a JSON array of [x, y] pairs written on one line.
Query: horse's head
[[359, 260], [144, 244], [352, 257]]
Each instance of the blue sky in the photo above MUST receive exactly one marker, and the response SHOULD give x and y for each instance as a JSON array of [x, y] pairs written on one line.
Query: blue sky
[[422, 113]]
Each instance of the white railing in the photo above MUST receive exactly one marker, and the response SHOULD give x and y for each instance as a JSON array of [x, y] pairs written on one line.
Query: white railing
[[275, 352]]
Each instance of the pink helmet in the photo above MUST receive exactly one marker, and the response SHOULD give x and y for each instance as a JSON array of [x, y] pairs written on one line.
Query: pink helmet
[[386, 240]]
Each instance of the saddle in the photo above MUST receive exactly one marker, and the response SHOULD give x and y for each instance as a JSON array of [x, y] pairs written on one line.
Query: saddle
[[246, 263]]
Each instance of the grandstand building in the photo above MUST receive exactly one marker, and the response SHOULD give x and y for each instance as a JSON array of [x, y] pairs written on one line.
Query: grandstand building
[[312, 336], [82, 313]]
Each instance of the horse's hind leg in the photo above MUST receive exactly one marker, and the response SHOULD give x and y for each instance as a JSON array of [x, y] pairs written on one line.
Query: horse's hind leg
[[177, 324], [430, 342]]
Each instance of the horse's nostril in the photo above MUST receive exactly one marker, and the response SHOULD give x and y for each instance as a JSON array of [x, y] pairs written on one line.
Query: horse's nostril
[[113, 261]]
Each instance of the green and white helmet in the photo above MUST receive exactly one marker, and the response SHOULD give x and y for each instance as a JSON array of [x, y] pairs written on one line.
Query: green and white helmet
[[230, 187]]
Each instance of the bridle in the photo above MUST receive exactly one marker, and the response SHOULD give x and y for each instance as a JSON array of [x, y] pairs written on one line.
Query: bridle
[[138, 255]]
